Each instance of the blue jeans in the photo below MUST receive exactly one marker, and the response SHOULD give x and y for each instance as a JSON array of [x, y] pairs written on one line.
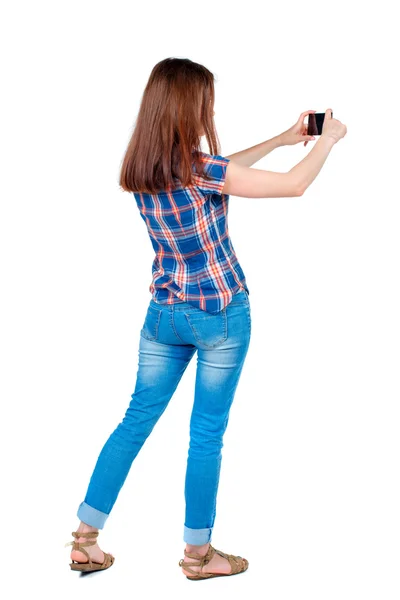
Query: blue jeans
[[170, 336]]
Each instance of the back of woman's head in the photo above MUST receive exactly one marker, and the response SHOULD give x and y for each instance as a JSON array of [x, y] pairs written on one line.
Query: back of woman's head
[[177, 108]]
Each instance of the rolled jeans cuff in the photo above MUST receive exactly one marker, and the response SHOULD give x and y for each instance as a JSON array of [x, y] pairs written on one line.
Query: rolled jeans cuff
[[197, 537], [91, 516]]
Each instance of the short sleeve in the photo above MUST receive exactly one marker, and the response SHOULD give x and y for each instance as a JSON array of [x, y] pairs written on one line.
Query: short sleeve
[[215, 167]]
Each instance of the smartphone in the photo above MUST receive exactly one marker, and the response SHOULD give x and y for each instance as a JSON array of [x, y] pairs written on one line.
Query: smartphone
[[315, 123]]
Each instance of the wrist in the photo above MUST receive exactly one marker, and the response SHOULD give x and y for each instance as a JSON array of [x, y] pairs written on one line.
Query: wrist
[[328, 139], [278, 141]]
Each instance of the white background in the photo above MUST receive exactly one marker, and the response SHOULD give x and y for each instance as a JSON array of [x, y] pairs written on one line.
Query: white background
[[309, 489]]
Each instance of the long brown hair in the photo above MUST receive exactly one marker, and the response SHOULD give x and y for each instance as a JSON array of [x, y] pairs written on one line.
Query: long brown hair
[[176, 108]]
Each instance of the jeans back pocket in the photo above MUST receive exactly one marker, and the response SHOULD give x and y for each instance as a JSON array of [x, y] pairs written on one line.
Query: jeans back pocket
[[209, 330], [151, 323]]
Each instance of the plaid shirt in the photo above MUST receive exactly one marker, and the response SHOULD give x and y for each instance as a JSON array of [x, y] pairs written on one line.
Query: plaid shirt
[[195, 260]]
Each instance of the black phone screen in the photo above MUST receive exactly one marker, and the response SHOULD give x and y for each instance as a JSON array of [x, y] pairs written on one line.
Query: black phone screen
[[315, 123]]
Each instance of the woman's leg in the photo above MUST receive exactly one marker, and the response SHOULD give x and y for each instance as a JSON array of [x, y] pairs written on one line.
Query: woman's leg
[[161, 367], [218, 374]]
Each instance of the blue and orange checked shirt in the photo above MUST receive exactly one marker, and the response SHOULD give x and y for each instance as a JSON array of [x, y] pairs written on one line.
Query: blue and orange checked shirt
[[195, 261]]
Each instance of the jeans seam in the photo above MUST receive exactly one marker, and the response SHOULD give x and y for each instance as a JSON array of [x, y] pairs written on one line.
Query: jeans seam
[[158, 323], [171, 320], [249, 318], [156, 327]]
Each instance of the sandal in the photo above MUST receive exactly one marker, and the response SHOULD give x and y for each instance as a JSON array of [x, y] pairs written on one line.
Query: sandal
[[88, 566], [238, 564]]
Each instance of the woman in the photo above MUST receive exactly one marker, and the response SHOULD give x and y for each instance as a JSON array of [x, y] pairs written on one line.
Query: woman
[[200, 299]]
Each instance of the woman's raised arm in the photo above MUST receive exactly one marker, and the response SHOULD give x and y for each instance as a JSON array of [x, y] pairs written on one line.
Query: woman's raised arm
[[257, 183], [250, 156]]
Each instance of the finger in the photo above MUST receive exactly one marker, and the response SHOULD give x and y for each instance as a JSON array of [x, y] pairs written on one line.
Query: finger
[[305, 136], [309, 138], [304, 114]]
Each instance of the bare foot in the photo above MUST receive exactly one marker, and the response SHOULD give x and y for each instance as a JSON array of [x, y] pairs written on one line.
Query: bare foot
[[218, 564], [96, 555]]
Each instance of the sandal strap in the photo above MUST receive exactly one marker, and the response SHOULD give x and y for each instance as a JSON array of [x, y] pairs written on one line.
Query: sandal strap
[[201, 561], [107, 560], [88, 534], [77, 546], [80, 545], [78, 534], [236, 562], [204, 559]]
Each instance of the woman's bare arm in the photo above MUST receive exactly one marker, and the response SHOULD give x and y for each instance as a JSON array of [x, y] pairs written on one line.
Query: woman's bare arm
[[307, 169], [256, 183], [252, 155]]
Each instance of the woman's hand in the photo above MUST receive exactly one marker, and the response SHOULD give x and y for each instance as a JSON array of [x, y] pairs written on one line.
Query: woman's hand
[[297, 133]]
